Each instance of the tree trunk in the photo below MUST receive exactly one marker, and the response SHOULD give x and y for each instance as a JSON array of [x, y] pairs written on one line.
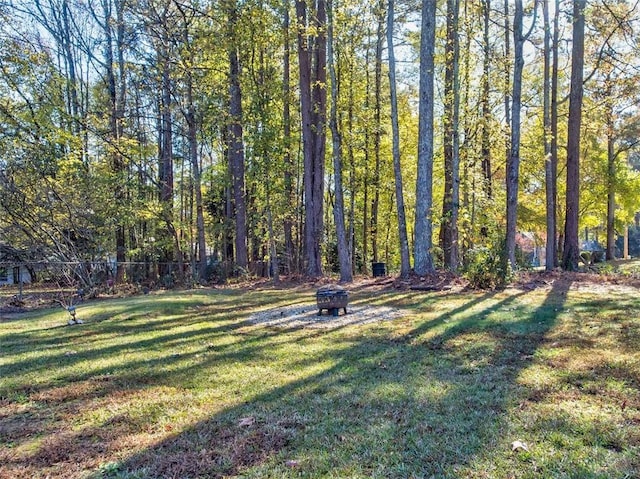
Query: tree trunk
[[192, 141], [286, 133], [423, 262], [166, 164], [116, 114], [451, 199], [507, 76], [405, 265], [571, 252], [553, 161], [344, 258], [611, 184], [312, 78], [486, 101], [377, 135], [236, 145], [550, 167], [513, 161]]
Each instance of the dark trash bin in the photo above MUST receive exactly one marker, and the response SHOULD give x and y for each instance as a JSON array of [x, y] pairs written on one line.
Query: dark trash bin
[[378, 269]]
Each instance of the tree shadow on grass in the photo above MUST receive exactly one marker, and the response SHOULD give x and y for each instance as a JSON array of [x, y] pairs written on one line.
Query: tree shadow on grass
[[416, 405]]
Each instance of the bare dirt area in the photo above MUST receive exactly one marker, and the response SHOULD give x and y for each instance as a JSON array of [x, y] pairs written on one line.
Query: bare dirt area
[[306, 316]]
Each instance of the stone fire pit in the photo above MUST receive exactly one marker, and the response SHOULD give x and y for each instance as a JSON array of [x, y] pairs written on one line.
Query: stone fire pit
[[333, 298]]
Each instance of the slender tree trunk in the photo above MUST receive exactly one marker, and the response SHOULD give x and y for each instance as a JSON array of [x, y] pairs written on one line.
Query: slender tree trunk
[[344, 258], [367, 173], [423, 262], [450, 207], [352, 173], [192, 141], [286, 132], [513, 161], [571, 253], [507, 76], [405, 265], [273, 251], [236, 144], [197, 179], [166, 163], [553, 166], [116, 114], [611, 184], [549, 173], [377, 136], [486, 101]]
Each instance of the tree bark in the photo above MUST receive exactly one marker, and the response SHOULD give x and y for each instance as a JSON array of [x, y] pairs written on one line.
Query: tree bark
[[611, 184], [236, 143], [344, 258], [286, 132], [571, 253], [553, 162], [550, 166], [486, 102], [513, 161], [313, 103], [377, 136], [405, 265], [423, 262], [451, 199], [116, 116]]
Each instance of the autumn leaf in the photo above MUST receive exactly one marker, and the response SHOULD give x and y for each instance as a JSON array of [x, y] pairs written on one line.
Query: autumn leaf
[[247, 421], [519, 446]]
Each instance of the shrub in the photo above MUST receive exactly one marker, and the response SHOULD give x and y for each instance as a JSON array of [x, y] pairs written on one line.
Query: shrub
[[487, 268]]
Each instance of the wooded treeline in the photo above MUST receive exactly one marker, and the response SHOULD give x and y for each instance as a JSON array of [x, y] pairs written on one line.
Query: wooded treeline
[[319, 135]]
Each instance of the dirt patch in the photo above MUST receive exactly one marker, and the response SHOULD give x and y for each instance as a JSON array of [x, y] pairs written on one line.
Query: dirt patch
[[306, 316], [529, 280]]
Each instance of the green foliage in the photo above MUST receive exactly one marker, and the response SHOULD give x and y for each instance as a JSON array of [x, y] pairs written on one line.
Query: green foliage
[[486, 267]]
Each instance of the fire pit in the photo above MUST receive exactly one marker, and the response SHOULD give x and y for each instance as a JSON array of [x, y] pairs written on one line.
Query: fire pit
[[333, 298]]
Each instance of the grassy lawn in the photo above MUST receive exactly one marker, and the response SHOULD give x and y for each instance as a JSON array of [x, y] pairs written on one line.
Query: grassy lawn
[[183, 385]]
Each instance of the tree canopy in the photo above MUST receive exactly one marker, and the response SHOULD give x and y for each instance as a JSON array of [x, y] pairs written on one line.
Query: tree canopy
[[199, 133]]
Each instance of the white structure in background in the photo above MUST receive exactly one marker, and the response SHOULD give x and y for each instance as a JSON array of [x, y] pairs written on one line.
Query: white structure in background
[[12, 274]]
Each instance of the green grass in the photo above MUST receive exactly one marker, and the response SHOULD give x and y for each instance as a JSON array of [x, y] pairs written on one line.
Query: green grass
[[181, 384]]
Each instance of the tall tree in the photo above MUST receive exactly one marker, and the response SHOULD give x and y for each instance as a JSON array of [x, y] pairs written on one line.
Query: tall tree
[[513, 161], [312, 60], [552, 261], [451, 198], [236, 139], [377, 133], [191, 118], [551, 167], [486, 100], [423, 261], [571, 251], [405, 265], [111, 22], [289, 173], [344, 256]]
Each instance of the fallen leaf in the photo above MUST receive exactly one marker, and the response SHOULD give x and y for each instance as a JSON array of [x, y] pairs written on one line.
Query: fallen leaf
[[519, 446], [247, 421]]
